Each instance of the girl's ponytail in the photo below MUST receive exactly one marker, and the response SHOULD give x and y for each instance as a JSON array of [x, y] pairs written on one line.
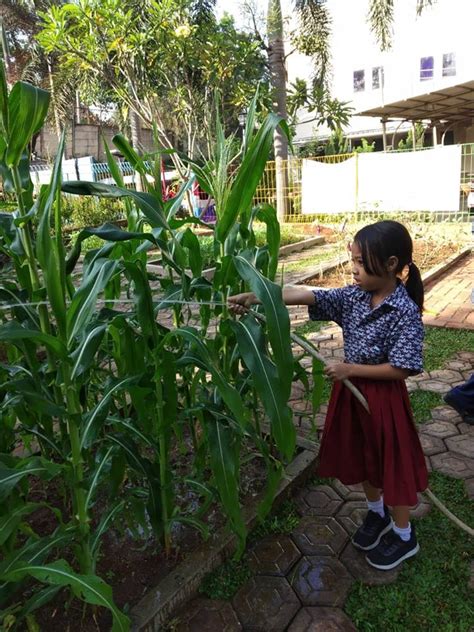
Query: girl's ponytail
[[414, 285]]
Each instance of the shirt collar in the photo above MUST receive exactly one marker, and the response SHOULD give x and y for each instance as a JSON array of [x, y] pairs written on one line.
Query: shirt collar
[[397, 299]]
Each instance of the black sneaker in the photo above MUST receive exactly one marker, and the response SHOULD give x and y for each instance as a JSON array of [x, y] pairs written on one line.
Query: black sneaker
[[371, 530], [392, 550]]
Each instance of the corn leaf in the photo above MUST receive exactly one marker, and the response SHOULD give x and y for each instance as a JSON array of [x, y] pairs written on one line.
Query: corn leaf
[[90, 588], [224, 458], [27, 110], [147, 203], [267, 382], [278, 321], [12, 331], [46, 248], [249, 175]]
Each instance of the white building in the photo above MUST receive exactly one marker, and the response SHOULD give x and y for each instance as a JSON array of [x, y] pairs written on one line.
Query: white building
[[428, 74]]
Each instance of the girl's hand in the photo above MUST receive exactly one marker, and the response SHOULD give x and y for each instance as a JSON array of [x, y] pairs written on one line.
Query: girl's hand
[[338, 372], [240, 303]]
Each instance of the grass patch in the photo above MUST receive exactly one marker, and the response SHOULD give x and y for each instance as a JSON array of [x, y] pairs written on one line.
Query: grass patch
[[310, 327], [442, 344], [422, 403], [432, 591], [284, 520], [225, 581]]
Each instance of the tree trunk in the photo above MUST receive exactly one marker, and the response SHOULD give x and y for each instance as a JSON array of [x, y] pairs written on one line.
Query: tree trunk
[[276, 61]]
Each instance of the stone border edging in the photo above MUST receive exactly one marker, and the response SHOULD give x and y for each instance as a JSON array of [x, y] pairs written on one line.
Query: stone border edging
[[433, 273], [323, 268], [182, 583]]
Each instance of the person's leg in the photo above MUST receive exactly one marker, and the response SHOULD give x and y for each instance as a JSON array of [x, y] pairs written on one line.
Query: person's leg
[[376, 522], [372, 493], [399, 544]]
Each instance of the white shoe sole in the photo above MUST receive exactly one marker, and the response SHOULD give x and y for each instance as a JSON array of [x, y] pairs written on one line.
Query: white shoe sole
[[399, 561], [372, 546]]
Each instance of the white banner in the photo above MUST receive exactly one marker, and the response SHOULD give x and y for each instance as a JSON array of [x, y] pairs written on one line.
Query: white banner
[[426, 180], [328, 188]]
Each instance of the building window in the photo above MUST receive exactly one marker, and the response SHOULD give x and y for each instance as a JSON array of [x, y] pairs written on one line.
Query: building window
[[377, 77], [449, 65], [359, 80], [426, 68]]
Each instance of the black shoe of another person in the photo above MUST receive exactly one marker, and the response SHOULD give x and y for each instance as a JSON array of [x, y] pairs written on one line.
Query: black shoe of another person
[[392, 550], [371, 530], [467, 417]]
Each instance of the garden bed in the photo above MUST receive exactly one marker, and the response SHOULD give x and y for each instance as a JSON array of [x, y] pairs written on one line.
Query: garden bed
[[146, 583]]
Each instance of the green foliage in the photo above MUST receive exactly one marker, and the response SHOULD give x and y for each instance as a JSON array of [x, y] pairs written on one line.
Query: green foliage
[[284, 520], [337, 144], [79, 212], [442, 344], [431, 592], [226, 580], [419, 138], [327, 110], [111, 395], [422, 403], [365, 147]]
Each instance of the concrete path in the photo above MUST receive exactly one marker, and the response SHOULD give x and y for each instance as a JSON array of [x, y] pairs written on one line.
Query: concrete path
[[448, 301]]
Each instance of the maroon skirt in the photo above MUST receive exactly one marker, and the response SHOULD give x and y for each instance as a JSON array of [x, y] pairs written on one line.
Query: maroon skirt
[[382, 448]]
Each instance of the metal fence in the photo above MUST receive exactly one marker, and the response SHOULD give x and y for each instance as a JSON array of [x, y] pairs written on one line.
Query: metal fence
[[266, 192]]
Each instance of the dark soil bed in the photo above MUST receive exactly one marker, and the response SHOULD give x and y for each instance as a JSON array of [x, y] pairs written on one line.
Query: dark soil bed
[[130, 565]]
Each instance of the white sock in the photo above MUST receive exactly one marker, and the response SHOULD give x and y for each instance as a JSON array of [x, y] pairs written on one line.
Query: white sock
[[404, 533], [377, 506]]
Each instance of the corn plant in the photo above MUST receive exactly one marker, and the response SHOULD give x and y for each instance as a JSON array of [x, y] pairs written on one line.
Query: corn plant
[[97, 399]]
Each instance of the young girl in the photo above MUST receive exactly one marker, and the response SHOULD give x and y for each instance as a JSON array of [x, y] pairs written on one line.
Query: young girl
[[383, 336]]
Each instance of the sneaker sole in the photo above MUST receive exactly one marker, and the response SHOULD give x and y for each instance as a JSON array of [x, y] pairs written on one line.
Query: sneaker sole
[[389, 567], [372, 546]]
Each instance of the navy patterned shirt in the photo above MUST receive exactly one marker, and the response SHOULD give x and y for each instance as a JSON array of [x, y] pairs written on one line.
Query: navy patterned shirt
[[391, 332]]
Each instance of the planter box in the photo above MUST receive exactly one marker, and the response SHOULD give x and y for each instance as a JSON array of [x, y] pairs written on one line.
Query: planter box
[[183, 582]]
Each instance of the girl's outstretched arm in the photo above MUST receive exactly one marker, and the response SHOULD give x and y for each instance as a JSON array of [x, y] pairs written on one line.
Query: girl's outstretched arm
[[238, 303]]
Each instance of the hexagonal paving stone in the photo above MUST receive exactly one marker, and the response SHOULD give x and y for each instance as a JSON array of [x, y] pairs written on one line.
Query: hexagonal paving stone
[[458, 365], [462, 444], [266, 604], [421, 509], [469, 484], [441, 429], [274, 555], [453, 464], [319, 536], [431, 445], [446, 413], [436, 386], [465, 428], [318, 500], [352, 515], [210, 615], [348, 492], [355, 562], [320, 581], [446, 375], [321, 620]]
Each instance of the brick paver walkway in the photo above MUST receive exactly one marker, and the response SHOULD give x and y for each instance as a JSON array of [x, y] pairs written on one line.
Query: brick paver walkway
[[301, 581], [448, 300]]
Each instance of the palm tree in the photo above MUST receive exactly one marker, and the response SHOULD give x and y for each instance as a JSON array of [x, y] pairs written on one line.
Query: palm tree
[[313, 40]]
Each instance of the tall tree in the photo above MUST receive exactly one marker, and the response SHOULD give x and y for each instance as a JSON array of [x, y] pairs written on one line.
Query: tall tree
[[163, 60]]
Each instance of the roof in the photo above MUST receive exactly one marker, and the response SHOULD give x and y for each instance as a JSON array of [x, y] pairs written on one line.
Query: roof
[[452, 104]]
